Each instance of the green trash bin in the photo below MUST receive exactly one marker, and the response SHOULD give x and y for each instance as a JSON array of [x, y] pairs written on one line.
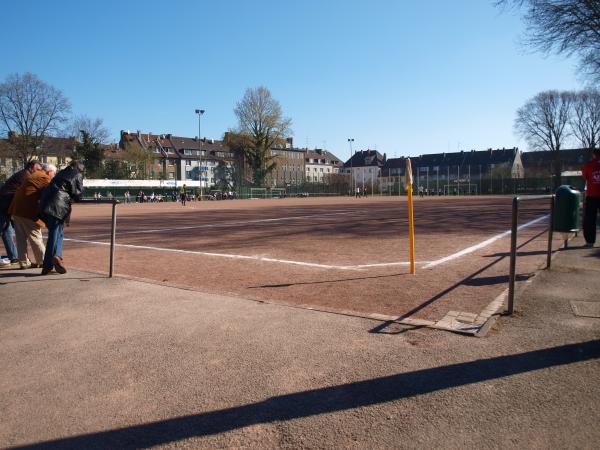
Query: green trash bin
[[566, 209]]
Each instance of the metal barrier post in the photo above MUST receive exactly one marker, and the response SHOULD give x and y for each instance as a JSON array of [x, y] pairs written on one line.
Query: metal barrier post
[[513, 256], [114, 202], [513, 244], [550, 234], [112, 238]]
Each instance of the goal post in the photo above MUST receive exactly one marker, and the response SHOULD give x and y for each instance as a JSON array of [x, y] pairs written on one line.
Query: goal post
[[277, 192], [461, 189], [258, 192]]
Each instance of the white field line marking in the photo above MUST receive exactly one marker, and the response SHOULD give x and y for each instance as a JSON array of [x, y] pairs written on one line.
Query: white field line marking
[[481, 244], [248, 257], [428, 264], [220, 225]]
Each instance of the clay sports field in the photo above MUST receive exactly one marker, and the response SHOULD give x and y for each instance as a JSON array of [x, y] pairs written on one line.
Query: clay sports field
[[342, 255]]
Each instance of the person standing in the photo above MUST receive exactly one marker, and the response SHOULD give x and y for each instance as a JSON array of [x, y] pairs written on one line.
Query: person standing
[[591, 175], [24, 213], [7, 192], [55, 209], [182, 195]]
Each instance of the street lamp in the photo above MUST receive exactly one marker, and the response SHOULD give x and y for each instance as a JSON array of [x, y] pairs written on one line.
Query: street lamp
[[200, 112], [350, 141]]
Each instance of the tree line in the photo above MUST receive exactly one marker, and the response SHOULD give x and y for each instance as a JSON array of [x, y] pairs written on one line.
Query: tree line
[[31, 110], [552, 118]]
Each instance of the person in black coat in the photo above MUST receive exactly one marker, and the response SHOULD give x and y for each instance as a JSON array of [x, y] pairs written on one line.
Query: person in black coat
[[55, 209]]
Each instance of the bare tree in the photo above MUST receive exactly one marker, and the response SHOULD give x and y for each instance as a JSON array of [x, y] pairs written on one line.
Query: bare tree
[[261, 123], [585, 119], [138, 161], [30, 110], [542, 122], [95, 129], [564, 26]]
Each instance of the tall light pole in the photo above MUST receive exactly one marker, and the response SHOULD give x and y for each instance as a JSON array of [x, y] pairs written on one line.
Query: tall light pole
[[350, 141], [200, 112]]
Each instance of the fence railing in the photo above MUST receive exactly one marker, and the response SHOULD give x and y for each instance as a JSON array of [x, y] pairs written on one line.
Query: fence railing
[[513, 242]]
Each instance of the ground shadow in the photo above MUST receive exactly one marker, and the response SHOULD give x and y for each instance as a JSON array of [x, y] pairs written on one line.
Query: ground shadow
[[593, 252], [328, 400], [470, 280], [499, 279], [531, 253], [395, 328], [341, 280], [37, 277]]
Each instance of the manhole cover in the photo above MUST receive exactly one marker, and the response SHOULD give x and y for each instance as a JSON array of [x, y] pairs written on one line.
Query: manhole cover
[[586, 309]]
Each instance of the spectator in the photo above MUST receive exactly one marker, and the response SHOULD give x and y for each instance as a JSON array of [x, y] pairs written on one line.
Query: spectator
[[182, 195], [24, 213], [591, 175], [55, 211], [7, 192]]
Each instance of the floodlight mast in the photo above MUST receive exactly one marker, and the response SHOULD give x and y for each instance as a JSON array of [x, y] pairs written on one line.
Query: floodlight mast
[[350, 141], [200, 112]]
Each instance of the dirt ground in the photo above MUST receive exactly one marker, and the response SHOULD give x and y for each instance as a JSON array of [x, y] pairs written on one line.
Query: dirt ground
[[341, 254]]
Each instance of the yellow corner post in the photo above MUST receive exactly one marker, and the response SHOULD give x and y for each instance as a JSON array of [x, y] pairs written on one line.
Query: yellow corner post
[[411, 219]]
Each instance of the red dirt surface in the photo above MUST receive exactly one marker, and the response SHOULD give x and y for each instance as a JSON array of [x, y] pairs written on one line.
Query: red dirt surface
[[212, 237]]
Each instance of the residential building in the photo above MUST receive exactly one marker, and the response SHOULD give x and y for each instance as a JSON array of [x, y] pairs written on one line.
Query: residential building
[[459, 172], [320, 165], [181, 158], [289, 166], [54, 150], [541, 163], [365, 167]]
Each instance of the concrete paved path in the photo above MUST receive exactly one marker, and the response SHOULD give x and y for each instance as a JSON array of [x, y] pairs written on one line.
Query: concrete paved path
[[91, 362]]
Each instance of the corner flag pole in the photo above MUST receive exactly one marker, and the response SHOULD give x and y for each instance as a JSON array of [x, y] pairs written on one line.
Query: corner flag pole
[[411, 219]]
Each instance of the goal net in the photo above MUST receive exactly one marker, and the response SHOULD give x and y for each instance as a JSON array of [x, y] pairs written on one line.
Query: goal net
[[460, 189], [258, 192]]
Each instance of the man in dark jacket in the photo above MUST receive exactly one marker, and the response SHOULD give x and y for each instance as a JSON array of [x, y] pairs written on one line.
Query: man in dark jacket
[[7, 192], [55, 209]]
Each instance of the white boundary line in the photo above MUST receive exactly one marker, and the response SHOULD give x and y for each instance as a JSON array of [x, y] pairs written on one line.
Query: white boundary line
[[427, 264], [231, 256], [481, 244]]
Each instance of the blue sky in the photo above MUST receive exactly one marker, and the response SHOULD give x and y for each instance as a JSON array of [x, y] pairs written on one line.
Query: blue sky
[[402, 77]]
